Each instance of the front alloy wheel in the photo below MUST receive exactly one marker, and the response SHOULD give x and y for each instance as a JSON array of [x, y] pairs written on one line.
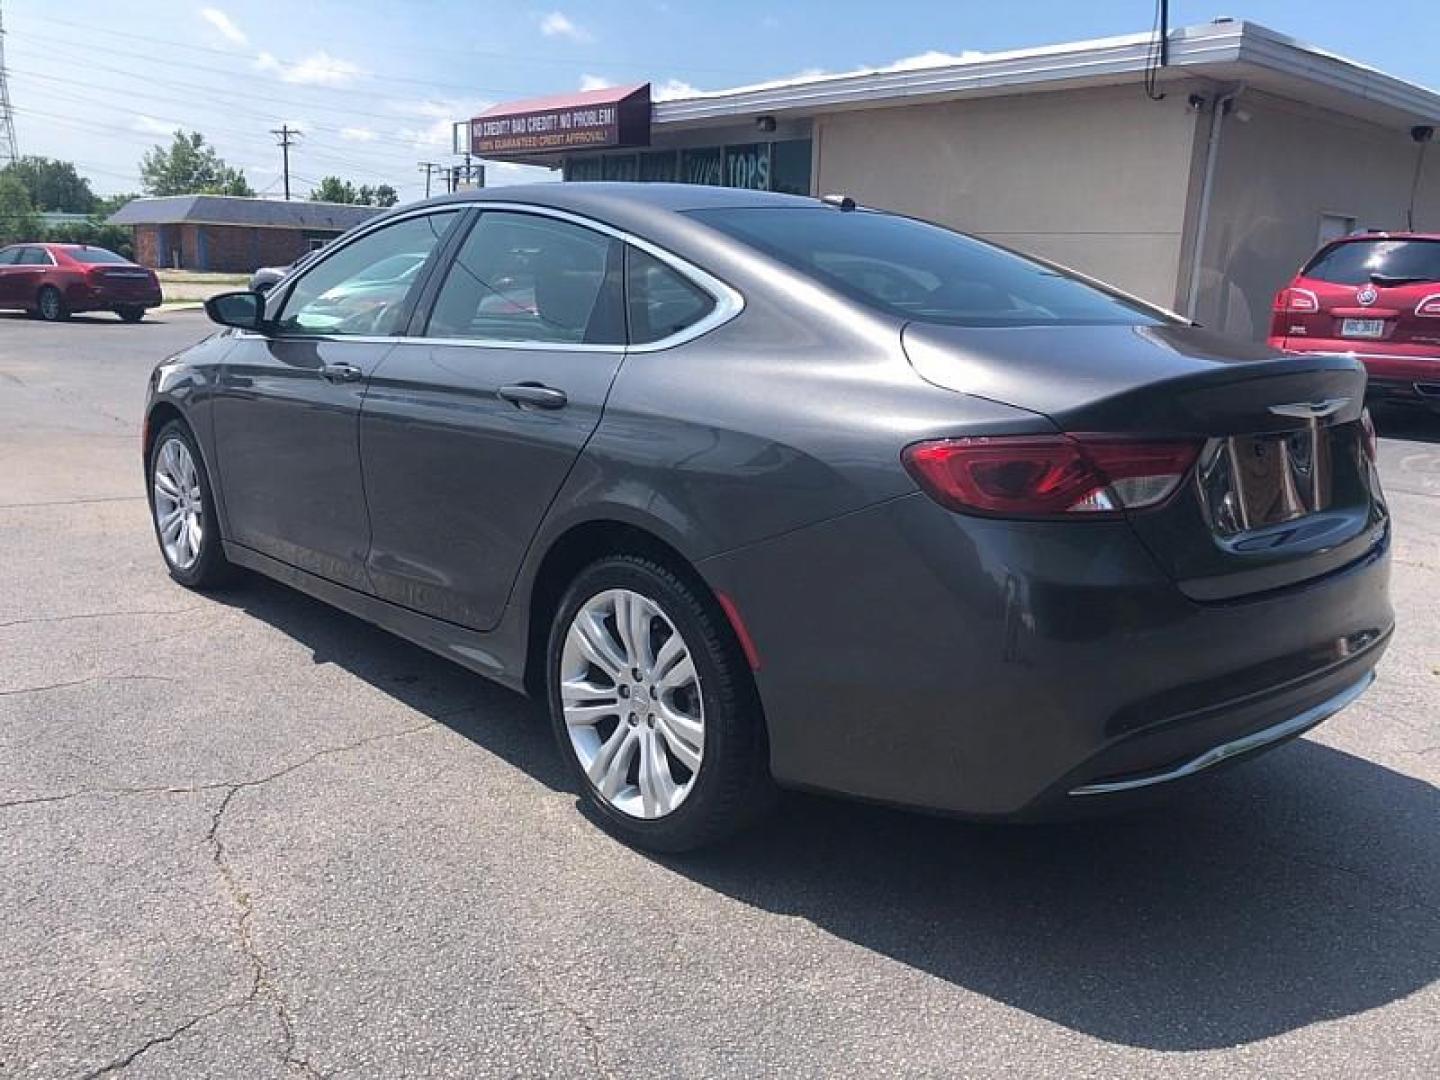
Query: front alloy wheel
[[632, 702], [183, 511]]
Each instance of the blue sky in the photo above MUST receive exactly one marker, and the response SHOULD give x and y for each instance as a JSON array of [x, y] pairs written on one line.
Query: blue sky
[[374, 84]]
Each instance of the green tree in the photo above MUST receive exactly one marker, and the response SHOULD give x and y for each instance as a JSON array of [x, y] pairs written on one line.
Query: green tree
[[18, 220], [53, 184], [96, 233], [382, 195], [189, 166], [333, 189]]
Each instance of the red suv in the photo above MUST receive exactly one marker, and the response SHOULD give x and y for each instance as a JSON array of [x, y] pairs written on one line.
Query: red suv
[[54, 280], [1376, 295]]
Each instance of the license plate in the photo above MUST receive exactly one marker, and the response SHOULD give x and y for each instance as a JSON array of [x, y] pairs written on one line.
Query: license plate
[[1371, 328]]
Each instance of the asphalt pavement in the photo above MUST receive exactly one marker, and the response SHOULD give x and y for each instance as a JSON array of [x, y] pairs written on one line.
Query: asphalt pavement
[[246, 835]]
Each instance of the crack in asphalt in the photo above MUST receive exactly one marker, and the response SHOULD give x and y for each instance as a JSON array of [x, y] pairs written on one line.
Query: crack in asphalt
[[73, 502], [160, 1040], [262, 984], [99, 615], [109, 677], [114, 677]]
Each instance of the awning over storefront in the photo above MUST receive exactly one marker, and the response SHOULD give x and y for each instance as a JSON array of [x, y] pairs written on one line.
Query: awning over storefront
[[614, 116]]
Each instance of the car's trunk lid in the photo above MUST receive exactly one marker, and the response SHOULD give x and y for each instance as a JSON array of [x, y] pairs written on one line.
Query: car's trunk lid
[[1283, 490]]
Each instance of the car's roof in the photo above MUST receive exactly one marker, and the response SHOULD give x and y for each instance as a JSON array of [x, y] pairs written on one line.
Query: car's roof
[[602, 197], [1385, 235]]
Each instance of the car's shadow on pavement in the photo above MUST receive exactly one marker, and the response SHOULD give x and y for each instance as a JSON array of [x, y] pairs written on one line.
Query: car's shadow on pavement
[[1412, 425], [1293, 890]]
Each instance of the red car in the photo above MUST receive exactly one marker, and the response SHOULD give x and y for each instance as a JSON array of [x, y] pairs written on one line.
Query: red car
[[1376, 295], [53, 281]]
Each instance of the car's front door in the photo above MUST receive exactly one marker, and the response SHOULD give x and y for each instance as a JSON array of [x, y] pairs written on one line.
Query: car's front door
[[470, 428], [287, 412]]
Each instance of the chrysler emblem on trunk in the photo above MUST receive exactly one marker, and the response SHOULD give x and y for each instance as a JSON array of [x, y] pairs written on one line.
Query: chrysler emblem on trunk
[[1367, 295]]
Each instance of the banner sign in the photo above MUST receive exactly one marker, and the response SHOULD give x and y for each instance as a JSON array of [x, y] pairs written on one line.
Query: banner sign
[[596, 119]]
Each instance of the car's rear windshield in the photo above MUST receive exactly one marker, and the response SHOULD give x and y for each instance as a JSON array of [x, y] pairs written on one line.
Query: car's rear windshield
[[923, 272], [1354, 262], [94, 255]]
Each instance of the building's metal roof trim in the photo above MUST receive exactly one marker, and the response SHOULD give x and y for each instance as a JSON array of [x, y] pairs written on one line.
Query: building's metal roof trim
[[1192, 50]]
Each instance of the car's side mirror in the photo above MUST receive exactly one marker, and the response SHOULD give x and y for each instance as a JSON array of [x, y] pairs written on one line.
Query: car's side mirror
[[243, 310]]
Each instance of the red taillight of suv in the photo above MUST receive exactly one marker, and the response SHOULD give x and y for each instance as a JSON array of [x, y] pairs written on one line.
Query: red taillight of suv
[[1296, 300], [1046, 476]]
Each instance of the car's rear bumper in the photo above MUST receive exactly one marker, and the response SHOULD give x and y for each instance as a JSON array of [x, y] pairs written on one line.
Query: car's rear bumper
[[1402, 374], [992, 668], [106, 298]]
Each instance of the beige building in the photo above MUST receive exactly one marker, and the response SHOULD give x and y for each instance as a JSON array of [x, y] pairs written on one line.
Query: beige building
[[1205, 200]]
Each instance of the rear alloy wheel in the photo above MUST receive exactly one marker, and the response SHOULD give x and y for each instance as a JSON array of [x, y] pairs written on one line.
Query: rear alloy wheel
[[654, 709], [50, 305], [183, 511], [130, 312]]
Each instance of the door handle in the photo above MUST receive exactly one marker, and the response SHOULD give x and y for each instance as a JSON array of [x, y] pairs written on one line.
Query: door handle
[[534, 396], [338, 372]]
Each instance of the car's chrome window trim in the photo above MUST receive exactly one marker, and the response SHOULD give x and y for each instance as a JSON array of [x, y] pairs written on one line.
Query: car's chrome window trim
[[728, 301]]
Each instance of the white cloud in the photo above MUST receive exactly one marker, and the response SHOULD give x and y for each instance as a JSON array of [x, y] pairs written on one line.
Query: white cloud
[[439, 116], [933, 58], [225, 25], [150, 126], [505, 173], [594, 82], [673, 88], [357, 134], [558, 24], [317, 69]]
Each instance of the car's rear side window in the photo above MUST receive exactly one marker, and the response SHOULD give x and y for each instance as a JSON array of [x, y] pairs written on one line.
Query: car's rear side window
[[923, 272], [522, 277], [1354, 261], [95, 255], [660, 301]]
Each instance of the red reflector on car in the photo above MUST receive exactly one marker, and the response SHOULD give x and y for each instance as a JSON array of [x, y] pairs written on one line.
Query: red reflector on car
[[1050, 475]]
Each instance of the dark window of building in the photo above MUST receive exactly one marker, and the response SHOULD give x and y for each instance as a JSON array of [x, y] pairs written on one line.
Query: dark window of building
[[658, 167], [586, 168], [748, 166], [703, 166], [620, 167], [790, 167], [1352, 262], [919, 271], [525, 277], [659, 299], [341, 294]]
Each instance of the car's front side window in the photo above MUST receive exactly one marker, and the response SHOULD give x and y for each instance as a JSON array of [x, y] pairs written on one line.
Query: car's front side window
[[362, 289], [35, 257], [530, 278]]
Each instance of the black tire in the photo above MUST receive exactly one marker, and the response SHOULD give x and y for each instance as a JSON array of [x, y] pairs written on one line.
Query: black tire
[[211, 569], [50, 304], [130, 312], [732, 787]]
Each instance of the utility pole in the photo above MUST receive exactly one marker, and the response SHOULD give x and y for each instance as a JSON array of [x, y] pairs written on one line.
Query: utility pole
[[285, 134], [430, 168], [8, 151]]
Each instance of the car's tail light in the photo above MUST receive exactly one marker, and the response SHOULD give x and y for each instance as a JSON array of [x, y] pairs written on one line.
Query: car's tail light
[[1429, 307], [1370, 440], [1050, 475], [1293, 299]]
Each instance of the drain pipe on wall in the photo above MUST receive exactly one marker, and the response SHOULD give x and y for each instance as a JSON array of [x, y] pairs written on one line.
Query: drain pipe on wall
[[1220, 106]]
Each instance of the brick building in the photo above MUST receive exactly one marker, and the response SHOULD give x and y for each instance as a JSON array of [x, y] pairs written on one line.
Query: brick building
[[229, 233]]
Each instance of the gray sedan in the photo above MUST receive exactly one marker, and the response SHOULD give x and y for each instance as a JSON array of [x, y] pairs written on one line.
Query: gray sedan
[[761, 491]]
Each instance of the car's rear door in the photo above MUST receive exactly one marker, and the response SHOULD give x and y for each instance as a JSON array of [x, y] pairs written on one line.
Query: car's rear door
[[471, 426], [286, 414]]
